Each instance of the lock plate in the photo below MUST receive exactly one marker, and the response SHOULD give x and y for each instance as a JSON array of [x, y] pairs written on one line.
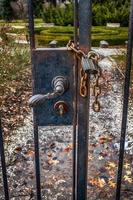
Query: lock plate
[[47, 64]]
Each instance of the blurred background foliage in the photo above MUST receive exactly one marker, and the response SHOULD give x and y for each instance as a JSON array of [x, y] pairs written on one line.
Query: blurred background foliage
[[116, 11], [59, 15], [62, 14]]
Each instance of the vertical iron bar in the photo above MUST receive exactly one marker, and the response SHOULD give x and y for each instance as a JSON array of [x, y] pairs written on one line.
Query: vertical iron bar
[[75, 99], [83, 103], [125, 103], [31, 24], [75, 22], [3, 164], [36, 139], [37, 158]]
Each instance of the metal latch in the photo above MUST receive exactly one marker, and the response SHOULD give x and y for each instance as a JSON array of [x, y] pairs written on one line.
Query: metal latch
[[60, 85]]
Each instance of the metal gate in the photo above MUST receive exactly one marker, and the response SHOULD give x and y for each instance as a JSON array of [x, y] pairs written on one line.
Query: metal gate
[[61, 88]]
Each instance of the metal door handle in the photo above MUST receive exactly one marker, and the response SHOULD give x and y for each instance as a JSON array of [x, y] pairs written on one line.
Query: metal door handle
[[60, 85]]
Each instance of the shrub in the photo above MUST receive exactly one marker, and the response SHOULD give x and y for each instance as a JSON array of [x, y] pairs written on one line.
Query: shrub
[[5, 10], [62, 16], [107, 11], [111, 11]]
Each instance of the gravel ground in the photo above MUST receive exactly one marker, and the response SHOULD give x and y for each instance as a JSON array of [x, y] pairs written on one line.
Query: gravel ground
[[56, 151]]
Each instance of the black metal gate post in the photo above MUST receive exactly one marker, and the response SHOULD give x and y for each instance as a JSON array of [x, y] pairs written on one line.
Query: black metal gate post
[[83, 102], [3, 164], [36, 139], [129, 63], [75, 100], [31, 24]]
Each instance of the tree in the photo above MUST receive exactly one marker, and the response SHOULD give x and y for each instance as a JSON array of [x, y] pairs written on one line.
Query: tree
[[5, 10], [54, 2], [38, 7], [19, 8]]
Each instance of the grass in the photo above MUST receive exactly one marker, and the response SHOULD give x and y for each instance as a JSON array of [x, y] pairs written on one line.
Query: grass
[[17, 59], [115, 36], [20, 22], [121, 62]]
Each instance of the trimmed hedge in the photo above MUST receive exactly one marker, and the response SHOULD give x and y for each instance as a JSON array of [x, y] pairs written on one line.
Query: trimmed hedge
[[115, 36]]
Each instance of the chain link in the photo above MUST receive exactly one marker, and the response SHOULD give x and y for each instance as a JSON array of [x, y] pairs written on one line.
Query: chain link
[[79, 53], [83, 75], [83, 83], [97, 91]]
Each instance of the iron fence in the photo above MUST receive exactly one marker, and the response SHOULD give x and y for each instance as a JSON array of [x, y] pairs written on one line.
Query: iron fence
[[82, 21]]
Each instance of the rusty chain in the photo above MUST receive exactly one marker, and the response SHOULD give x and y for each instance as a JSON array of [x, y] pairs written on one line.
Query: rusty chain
[[97, 91], [83, 83], [96, 87], [79, 53], [84, 76]]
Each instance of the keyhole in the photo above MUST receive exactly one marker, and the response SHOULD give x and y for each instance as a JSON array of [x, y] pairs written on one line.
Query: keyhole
[[61, 108]]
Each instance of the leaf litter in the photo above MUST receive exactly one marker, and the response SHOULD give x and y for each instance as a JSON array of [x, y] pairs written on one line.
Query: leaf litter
[[56, 145]]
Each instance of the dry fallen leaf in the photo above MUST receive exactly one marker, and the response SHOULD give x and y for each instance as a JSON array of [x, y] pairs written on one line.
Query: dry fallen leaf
[[111, 183], [100, 158], [92, 181], [30, 153], [68, 148], [53, 162], [105, 139], [128, 172], [128, 179], [126, 165], [111, 165], [18, 149], [100, 182], [90, 157]]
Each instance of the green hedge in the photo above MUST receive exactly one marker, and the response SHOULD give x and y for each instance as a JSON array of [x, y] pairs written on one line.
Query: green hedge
[[115, 36], [103, 12], [44, 40]]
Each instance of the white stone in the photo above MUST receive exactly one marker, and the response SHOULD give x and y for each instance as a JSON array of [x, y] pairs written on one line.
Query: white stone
[[104, 44], [113, 25]]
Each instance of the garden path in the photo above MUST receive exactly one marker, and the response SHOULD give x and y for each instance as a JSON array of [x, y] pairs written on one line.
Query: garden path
[[56, 150]]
